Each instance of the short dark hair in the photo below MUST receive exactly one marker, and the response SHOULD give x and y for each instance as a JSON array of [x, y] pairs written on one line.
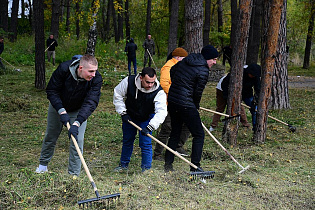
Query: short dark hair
[[149, 71], [90, 59]]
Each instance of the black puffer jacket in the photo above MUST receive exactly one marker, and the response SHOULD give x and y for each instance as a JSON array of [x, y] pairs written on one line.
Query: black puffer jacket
[[66, 91], [189, 78], [130, 49]]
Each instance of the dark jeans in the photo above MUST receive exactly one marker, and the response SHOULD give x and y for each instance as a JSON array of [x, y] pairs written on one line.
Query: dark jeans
[[248, 102], [134, 61], [189, 116]]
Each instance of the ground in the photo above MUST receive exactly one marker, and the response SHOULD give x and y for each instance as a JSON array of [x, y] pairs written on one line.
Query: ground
[[301, 82]]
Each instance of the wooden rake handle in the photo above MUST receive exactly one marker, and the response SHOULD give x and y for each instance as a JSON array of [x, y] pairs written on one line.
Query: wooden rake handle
[[209, 110], [165, 146]]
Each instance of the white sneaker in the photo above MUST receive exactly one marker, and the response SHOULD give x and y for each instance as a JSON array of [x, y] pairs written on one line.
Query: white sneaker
[[211, 129], [41, 169]]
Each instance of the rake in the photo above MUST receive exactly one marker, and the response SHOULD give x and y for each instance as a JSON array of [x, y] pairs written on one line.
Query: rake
[[199, 173], [98, 199], [291, 127], [219, 113], [152, 59], [11, 65], [212, 136]]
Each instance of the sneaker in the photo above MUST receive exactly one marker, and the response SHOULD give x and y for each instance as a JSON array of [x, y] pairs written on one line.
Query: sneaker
[[168, 168], [41, 169], [121, 168], [211, 129], [182, 152], [158, 157]]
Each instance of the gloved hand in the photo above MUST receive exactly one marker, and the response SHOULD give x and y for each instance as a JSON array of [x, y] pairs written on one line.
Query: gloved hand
[[64, 118], [74, 131], [125, 118], [147, 130]]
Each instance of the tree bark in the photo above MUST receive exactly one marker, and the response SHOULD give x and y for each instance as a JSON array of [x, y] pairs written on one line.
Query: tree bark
[[220, 21], [68, 3], [30, 15], [120, 20], [234, 22], [40, 80], [173, 21], [4, 15], [236, 79], [194, 25], [55, 14], [93, 29], [279, 89], [272, 15], [308, 46], [114, 22], [148, 20], [127, 23], [254, 33], [107, 23], [206, 26], [14, 20], [77, 22]]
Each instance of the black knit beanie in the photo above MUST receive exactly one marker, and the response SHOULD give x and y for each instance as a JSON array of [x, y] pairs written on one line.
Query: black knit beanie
[[209, 52]]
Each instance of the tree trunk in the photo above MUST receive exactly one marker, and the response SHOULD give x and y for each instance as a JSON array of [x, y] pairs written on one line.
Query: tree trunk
[[272, 15], [77, 22], [206, 26], [234, 22], [306, 63], [68, 2], [62, 10], [4, 15], [254, 33], [30, 15], [127, 19], [172, 37], [194, 25], [54, 27], [14, 20], [148, 20], [93, 29], [236, 79], [40, 80], [107, 23], [22, 9], [279, 90], [120, 20], [114, 22], [220, 21]]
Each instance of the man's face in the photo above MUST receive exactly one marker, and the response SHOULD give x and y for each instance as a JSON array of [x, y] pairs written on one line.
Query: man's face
[[211, 62], [149, 37], [147, 82], [1, 40], [179, 58], [51, 36], [87, 71]]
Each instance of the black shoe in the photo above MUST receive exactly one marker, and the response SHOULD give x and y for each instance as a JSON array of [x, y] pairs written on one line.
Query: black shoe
[[182, 152], [168, 168], [158, 157]]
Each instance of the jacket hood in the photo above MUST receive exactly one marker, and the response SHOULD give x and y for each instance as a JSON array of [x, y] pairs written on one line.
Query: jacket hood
[[195, 59], [138, 85], [73, 69]]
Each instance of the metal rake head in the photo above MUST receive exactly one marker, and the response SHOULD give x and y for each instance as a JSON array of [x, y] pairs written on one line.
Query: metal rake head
[[201, 174], [106, 201], [292, 128]]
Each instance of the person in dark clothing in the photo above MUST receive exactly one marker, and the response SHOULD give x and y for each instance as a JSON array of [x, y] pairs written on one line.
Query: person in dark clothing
[[189, 78], [148, 45], [51, 45], [130, 49], [1, 50], [227, 54], [251, 79], [73, 91], [140, 99]]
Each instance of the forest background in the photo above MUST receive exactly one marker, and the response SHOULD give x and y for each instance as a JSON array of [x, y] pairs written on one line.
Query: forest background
[[281, 174]]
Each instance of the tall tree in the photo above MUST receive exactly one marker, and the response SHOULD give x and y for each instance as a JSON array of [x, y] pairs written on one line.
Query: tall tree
[[127, 23], [194, 25], [220, 20], [114, 21], [30, 15], [234, 21], [4, 15], [236, 79], [148, 20], [173, 20], [279, 89], [120, 19], [55, 14], [308, 46], [93, 29], [68, 6], [254, 33], [206, 26], [22, 9], [14, 20], [271, 23], [40, 80], [107, 22], [77, 21]]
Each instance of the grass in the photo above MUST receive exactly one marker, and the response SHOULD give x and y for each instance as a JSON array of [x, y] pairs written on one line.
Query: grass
[[281, 174]]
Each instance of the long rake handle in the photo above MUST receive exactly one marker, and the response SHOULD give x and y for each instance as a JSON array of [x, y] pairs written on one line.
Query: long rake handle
[[7, 62], [87, 171], [151, 58], [209, 110], [165, 146], [268, 116], [212, 136], [49, 46]]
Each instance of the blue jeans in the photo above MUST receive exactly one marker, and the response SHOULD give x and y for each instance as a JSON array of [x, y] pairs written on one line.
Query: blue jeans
[[134, 61], [129, 135], [191, 117], [248, 102]]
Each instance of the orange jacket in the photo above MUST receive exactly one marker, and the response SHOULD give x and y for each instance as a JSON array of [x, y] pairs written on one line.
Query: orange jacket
[[165, 78]]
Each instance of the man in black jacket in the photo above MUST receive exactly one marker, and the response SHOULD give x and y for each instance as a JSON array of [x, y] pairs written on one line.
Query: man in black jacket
[[189, 78], [51, 45], [73, 91], [130, 49]]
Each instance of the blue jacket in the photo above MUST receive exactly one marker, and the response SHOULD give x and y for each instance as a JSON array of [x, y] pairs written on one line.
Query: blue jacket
[[66, 91]]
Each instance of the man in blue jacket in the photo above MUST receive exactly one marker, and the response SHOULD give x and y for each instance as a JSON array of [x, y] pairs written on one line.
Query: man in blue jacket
[[73, 91], [189, 78]]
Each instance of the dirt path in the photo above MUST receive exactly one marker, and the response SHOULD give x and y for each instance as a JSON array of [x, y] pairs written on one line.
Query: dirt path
[[301, 82]]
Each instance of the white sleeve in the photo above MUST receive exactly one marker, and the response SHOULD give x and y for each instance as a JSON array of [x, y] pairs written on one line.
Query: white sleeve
[[120, 93], [160, 110]]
